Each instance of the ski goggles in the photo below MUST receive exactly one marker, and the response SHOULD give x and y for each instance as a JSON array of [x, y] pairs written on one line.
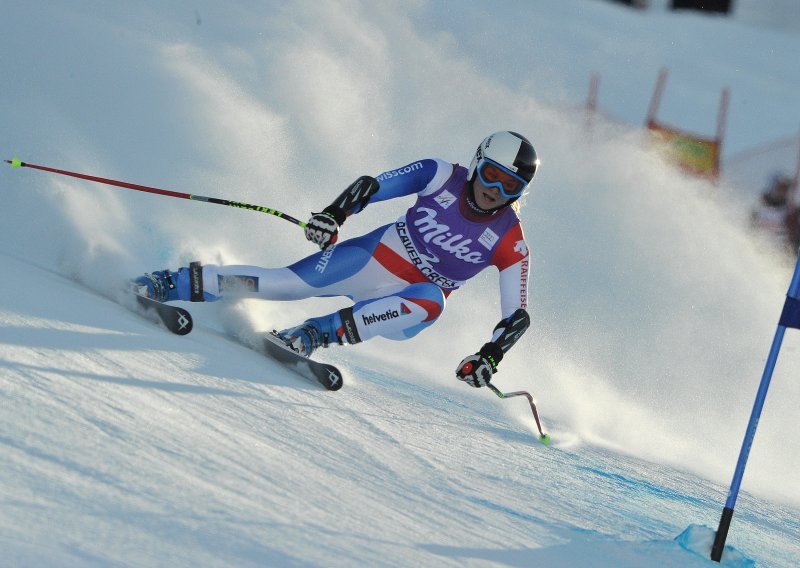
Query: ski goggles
[[493, 174]]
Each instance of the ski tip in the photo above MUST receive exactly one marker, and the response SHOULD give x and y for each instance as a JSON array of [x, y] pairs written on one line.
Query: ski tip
[[15, 162], [545, 439]]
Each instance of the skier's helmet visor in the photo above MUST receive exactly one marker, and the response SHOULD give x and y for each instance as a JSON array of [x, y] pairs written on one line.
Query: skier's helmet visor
[[508, 183]]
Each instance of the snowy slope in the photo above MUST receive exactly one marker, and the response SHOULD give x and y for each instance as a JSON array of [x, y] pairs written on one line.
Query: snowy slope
[[653, 307], [126, 445]]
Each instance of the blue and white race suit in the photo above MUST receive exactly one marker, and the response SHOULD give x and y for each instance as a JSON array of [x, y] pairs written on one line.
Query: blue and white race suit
[[399, 275]]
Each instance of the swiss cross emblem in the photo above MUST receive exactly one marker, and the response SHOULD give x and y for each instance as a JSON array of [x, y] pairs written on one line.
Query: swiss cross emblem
[[521, 248]]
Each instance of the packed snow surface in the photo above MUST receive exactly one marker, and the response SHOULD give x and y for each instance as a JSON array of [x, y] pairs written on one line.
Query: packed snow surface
[[653, 305]]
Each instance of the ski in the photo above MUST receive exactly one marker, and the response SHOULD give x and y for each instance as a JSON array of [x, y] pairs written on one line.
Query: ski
[[175, 319], [325, 374], [179, 322]]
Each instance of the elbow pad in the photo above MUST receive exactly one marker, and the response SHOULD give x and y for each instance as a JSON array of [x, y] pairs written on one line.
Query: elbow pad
[[353, 199], [510, 330]]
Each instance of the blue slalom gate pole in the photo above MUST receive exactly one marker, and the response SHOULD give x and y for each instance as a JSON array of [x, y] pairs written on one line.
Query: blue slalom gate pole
[[790, 317]]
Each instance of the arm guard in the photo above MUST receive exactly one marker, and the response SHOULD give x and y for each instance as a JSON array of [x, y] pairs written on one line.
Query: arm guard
[[506, 334], [353, 199]]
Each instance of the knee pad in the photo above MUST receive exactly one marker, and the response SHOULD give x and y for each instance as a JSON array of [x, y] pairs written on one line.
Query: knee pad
[[428, 296], [397, 316]]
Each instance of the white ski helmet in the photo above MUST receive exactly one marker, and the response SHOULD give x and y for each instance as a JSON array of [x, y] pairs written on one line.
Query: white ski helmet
[[513, 154]]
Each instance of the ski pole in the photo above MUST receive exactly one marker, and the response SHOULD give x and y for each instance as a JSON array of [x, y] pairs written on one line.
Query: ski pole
[[790, 318], [17, 163], [543, 438]]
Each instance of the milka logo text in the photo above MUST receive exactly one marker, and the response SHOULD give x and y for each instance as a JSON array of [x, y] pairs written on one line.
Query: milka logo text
[[440, 235]]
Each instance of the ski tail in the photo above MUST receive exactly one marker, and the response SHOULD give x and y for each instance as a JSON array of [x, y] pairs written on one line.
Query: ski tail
[[175, 319]]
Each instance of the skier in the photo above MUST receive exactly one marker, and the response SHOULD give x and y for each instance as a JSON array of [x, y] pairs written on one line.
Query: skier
[[398, 275], [776, 213]]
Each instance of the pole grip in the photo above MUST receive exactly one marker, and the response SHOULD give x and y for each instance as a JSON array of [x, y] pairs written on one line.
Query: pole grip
[[722, 534]]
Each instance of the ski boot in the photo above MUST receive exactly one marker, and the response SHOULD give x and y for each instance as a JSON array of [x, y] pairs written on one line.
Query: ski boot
[[311, 334], [160, 286]]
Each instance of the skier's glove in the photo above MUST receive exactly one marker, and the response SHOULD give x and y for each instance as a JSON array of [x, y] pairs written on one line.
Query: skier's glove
[[477, 370], [322, 229]]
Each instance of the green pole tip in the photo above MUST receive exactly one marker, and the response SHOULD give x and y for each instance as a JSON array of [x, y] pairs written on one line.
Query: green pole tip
[[545, 439], [16, 163]]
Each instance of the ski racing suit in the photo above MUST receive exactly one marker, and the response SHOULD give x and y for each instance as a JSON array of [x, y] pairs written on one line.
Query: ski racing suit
[[400, 274]]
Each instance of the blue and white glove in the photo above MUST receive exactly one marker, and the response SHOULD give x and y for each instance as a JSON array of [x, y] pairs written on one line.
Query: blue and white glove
[[477, 370], [322, 230]]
